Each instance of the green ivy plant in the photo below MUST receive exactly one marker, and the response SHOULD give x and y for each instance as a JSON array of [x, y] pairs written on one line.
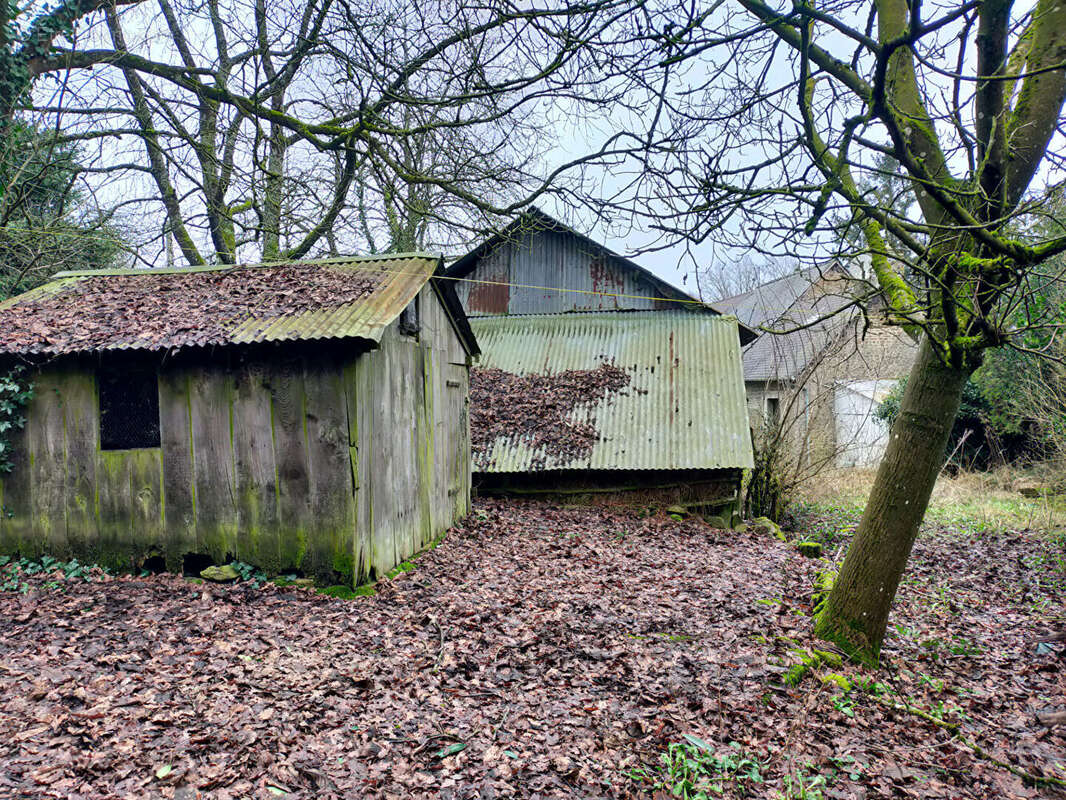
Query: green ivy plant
[[15, 392], [14, 571], [249, 573]]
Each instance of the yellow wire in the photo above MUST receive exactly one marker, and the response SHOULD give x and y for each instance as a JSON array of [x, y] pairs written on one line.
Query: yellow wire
[[387, 256]]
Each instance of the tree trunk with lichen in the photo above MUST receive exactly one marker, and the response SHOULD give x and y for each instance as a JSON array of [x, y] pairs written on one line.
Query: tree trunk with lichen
[[855, 615]]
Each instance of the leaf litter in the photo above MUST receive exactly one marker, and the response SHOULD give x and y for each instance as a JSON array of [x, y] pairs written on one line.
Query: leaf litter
[[539, 411], [165, 310], [539, 652]]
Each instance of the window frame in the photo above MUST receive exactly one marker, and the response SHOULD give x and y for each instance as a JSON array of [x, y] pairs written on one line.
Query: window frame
[[109, 437], [772, 411], [411, 318]]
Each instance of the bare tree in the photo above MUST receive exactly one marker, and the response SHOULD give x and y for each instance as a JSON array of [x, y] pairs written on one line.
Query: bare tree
[[777, 118], [259, 130], [728, 277]]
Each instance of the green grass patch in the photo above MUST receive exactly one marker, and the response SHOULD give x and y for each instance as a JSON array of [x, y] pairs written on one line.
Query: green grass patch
[[971, 503]]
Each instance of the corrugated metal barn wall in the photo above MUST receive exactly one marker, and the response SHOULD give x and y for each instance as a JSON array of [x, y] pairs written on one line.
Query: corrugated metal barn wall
[[553, 259], [684, 409]]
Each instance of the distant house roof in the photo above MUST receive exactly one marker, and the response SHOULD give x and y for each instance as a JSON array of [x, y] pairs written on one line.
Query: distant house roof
[[533, 220], [768, 301], [165, 309], [668, 393], [801, 304]]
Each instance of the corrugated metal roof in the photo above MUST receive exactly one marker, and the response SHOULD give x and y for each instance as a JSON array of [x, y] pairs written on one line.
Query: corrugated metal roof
[[40, 321], [685, 405]]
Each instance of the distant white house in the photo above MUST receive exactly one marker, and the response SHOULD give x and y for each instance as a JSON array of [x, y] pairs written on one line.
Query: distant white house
[[823, 376], [861, 435]]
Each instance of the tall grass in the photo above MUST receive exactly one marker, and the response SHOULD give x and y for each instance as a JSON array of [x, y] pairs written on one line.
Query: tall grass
[[973, 501]]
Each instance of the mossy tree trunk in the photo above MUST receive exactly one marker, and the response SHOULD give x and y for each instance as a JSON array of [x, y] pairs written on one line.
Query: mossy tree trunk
[[855, 615]]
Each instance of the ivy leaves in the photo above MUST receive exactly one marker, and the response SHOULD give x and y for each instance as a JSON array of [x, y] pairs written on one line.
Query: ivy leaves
[[15, 392]]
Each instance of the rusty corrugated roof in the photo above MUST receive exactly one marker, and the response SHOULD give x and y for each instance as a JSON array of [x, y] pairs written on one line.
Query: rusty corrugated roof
[[352, 297], [683, 409]]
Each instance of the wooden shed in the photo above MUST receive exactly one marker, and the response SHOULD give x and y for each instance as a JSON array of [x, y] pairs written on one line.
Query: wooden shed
[[307, 417]]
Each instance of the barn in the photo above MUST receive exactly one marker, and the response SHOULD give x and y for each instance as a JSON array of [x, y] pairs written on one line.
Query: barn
[[308, 417], [597, 378], [539, 265]]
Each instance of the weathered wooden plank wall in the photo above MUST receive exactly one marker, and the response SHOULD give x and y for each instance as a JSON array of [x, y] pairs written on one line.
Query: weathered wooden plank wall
[[336, 463], [411, 442]]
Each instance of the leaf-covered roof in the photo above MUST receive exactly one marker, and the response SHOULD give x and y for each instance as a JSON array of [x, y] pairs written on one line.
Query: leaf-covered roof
[[170, 309]]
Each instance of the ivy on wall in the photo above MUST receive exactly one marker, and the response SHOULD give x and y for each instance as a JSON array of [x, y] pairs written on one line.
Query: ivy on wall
[[15, 392]]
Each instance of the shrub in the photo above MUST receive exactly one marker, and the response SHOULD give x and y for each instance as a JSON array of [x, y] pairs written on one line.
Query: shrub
[[968, 444]]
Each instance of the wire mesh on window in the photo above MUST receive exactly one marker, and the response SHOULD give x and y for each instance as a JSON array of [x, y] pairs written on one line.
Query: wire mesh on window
[[129, 407]]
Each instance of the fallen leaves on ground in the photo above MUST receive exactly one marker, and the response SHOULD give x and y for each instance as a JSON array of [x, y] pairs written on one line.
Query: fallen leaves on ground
[[537, 652]]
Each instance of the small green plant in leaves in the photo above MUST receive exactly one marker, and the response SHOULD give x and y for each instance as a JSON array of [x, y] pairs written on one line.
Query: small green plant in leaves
[[869, 686], [821, 522], [844, 704], [848, 765], [11, 582], [13, 572], [692, 770], [15, 392], [803, 785], [249, 573]]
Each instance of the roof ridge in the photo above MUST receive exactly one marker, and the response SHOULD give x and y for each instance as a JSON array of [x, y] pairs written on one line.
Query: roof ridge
[[192, 269]]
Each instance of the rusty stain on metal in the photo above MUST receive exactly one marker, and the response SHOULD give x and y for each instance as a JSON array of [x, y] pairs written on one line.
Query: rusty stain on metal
[[605, 279], [491, 294]]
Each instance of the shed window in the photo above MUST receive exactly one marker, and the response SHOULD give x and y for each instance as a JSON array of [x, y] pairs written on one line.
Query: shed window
[[409, 321], [129, 407]]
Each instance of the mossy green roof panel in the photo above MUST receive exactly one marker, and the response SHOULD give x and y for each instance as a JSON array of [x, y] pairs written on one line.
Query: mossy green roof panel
[[165, 309], [683, 406]]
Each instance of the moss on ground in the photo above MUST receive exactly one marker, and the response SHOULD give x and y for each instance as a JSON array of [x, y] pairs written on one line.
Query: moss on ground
[[823, 585], [403, 566], [836, 679], [809, 661]]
